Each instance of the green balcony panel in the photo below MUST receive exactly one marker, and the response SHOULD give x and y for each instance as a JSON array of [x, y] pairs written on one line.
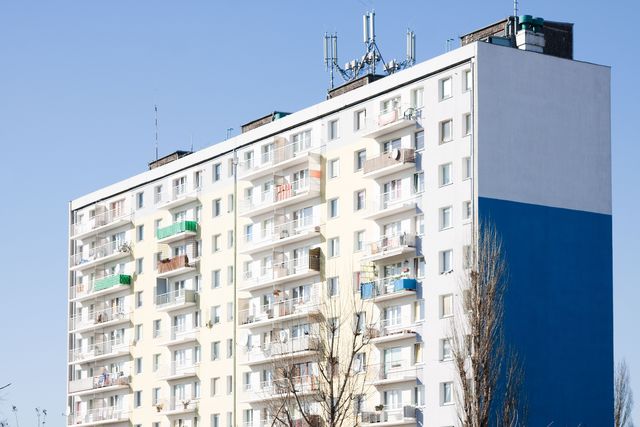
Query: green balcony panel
[[178, 227], [108, 282]]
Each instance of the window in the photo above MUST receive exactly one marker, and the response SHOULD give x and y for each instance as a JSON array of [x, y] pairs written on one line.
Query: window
[[230, 167], [215, 350], [466, 210], [333, 208], [138, 332], [137, 399], [248, 233], [446, 352], [360, 120], [389, 146], [216, 243], [334, 247], [445, 88], [155, 395], [417, 98], [333, 286], [360, 157], [334, 168], [445, 261], [197, 213], [138, 365], [333, 129], [214, 385], [445, 218], [139, 265], [445, 174], [389, 105], [230, 419], [138, 299], [360, 362], [156, 362], [229, 384], [230, 239], [418, 182], [359, 200], [157, 225], [420, 267], [358, 241], [248, 160], [445, 131], [466, 125], [446, 395], [217, 172], [417, 353], [418, 140], [360, 322], [157, 194], [217, 207], [157, 325], [140, 200], [197, 180], [229, 348], [215, 279], [140, 233], [230, 203], [230, 275], [215, 314], [466, 168], [418, 310], [446, 305], [467, 80], [215, 420], [229, 311], [419, 225]]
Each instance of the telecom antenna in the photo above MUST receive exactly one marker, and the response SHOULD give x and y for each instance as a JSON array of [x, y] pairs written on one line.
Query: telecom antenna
[[367, 64], [156, 110]]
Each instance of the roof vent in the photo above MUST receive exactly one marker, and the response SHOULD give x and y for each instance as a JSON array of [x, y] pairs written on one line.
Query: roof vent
[[272, 117], [168, 158]]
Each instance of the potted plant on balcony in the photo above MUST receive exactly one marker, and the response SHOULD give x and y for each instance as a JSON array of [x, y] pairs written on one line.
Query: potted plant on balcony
[[185, 403], [159, 406], [379, 407]]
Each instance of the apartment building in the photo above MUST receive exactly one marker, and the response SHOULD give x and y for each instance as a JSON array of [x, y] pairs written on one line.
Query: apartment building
[[190, 281]]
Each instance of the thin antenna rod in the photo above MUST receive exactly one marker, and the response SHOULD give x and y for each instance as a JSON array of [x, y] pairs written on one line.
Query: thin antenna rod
[[156, 109], [515, 8]]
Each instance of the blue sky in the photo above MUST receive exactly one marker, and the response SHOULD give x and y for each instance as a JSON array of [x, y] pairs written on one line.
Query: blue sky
[[78, 81]]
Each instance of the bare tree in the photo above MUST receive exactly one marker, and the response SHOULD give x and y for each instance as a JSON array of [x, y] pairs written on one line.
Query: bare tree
[[488, 388], [326, 387], [623, 402]]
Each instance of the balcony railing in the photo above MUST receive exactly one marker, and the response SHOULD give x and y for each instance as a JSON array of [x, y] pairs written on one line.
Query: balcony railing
[[277, 156], [391, 120], [166, 266], [176, 298], [81, 290], [282, 231], [181, 227], [179, 368], [397, 370], [282, 270], [269, 388], [101, 220], [106, 379], [390, 159], [281, 309], [387, 286], [183, 404], [179, 333], [390, 327], [281, 193], [98, 316], [390, 245], [404, 413], [105, 348], [94, 255], [281, 348], [108, 413]]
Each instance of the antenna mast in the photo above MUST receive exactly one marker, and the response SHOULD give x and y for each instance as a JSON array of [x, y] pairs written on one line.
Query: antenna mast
[[156, 110]]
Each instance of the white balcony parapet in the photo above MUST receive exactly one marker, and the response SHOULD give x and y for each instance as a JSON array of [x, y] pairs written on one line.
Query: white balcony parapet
[[106, 381], [391, 203], [285, 348], [282, 386], [388, 246], [176, 299], [178, 334], [177, 195], [280, 157], [100, 318], [101, 222], [394, 372], [283, 233], [281, 195], [103, 253], [390, 329], [178, 369], [178, 405], [100, 350], [279, 272], [281, 310], [392, 120], [389, 416], [386, 163], [99, 416]]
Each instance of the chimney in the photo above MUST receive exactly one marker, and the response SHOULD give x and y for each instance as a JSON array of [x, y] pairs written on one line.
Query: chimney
[[530, 35]]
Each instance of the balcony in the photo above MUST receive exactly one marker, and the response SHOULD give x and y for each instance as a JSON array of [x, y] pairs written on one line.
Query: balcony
[[178, 196], [282, 195], [389, 330], [177, 231], [100, 383], [281, 311], [385, 164], [175, 300], [179, 335], [282, 234], [103, 221], [104, 286], [391, 121], [388, 288], [280, 387], [99, 318], [99, 351], [281, 157], [99, 416], [389, 417], [282, 271], [391, 203], [390, 246], [175, 266], [178, 406], [178, 370], [91, 257], [290, 348], [394, 372]]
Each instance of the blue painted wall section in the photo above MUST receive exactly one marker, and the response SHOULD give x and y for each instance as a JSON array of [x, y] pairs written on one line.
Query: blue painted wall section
[[559, 309]]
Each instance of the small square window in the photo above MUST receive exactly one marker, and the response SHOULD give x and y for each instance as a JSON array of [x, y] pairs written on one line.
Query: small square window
[[445, 218], [139, 265], [334, 247], [446, 393], [446, 352], [139, 299], [333, 128], [418, 140], [140, 233], [466, 210], [217, 207], [229, 239], [360, 120], [215, 350], [358, 241], [157, 194], [445, 174], [467, 81], [137, 399], [418, 182], [446, 305], [445, 88], [217, 172], [359, 200], [333, 286], [216, 242], [334, 168], [215, 279], [333, 208], [417, 98], [215, 314], [445, 131], [446, 265], [138, 364], [466, 124], [360, 157], [466, 168], [230, 311], [140, 200]]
